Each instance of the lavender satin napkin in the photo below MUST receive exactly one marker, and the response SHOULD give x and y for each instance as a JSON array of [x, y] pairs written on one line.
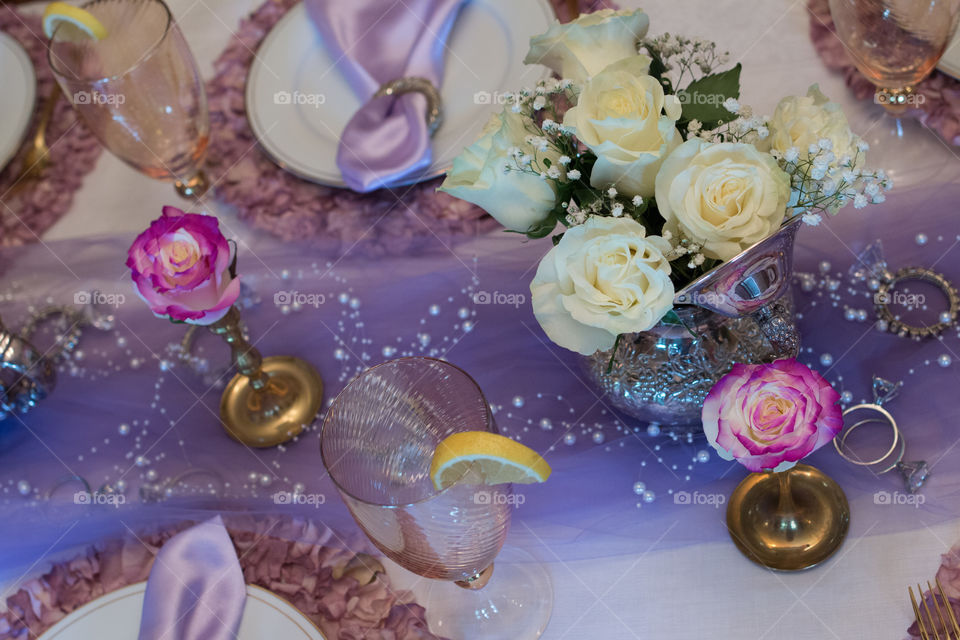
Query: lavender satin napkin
[[196, 589], [386, 142]]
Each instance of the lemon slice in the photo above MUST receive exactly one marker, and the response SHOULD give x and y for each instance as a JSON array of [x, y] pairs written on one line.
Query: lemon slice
[[60, 12], [495, 459]]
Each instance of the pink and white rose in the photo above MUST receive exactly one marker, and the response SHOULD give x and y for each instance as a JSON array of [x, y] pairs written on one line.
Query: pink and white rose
[[769, 416], [181, 267]]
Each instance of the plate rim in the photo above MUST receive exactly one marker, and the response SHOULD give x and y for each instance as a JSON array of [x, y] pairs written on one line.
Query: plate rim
[[21, 53], [337, 182], [141, 587]]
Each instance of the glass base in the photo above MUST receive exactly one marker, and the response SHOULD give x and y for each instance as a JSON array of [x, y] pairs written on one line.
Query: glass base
[[514, 605]]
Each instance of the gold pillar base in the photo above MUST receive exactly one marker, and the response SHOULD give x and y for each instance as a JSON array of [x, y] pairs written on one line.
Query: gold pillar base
[[277, 413], [789, 521]]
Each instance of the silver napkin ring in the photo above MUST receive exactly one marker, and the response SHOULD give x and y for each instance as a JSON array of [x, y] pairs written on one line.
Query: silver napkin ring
[[882, 301], [416, 84]]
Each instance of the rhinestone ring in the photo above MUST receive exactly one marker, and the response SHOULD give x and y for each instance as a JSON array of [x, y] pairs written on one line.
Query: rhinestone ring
[[914, 473], [882, 301], [416, 84]]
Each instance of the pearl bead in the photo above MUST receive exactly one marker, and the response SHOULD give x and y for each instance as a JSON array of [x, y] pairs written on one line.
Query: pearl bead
[[824, 266], [354, 303], [826, 359], [598, 437], [882, 325], [339, 354], [434, 310], [944, 360], [285, 274], [298, 487], [703, 456], [946, 318], [861, 315], [389, 351], [517, 401], [653, 430], [23, 487], [140, 461], [569, 438], [873, 284], [846, 397], [253, 476], [649, 496], [265, 480], [807, 284], [546, 424], [463, 313], [123, 429], [120, 485], [343, 298], [467, 326], [151, 475], [850, 314], [121, 342], [639, 488], [921, 239]]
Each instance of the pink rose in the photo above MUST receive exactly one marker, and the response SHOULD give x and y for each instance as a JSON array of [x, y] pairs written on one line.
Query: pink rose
[[769, 416], [181, 268]]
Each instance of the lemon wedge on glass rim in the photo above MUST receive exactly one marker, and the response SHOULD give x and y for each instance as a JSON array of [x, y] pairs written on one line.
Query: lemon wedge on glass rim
[[58, 13], [493, 458]]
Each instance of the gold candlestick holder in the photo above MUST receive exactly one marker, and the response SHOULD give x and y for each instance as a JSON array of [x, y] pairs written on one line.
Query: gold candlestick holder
[[270, 400]]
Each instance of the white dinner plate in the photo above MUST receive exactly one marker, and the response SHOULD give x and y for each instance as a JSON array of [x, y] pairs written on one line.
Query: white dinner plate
[[298, 103], [116, 616], [950, 62], [19, 92]]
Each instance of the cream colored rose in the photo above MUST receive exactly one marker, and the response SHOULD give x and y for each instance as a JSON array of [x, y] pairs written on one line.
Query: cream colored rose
[[625, 119], [580, 49], [800, 121], [604, 278], [485, 175], [725, 196]]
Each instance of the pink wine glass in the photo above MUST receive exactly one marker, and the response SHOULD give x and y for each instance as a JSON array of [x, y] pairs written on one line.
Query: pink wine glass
[[138, 90], [377, 443]]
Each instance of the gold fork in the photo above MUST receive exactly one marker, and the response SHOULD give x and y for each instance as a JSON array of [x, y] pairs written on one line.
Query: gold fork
[[947, 629], [38, 156]]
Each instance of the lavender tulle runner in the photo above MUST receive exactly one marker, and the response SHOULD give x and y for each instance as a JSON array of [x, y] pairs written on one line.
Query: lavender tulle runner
[[28, 211], [326, 583], [276, 201], [940, 108]]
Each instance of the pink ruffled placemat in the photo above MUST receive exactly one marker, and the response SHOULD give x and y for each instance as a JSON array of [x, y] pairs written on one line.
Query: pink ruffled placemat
[[940, 109], [27, 212], [291, 208], [329, 585]]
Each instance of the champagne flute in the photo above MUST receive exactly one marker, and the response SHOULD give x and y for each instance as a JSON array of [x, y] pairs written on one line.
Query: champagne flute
[[895, 43], [138, 90], [377, 443]]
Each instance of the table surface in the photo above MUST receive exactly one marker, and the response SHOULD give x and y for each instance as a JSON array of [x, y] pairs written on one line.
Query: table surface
[[697, 590]]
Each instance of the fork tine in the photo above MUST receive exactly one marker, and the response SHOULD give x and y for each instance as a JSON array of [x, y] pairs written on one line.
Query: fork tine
[[930, 618], [940, 615], [916, 611], [953, 618]]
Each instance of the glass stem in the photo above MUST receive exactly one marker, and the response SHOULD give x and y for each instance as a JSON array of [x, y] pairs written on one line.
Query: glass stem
[[244, 355], [478, 581]]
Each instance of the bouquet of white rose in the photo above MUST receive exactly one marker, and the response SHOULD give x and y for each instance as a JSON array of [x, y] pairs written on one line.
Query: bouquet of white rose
[[643, 152]]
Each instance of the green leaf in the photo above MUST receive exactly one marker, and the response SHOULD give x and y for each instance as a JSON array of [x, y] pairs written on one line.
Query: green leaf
[[557, 238], [671, 318], [543, 229], [703, 99]]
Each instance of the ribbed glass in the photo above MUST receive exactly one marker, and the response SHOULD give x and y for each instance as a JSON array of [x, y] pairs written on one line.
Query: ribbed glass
[[377, 443]]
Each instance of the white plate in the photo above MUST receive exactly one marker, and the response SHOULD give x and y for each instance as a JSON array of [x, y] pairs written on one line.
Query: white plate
[[486, 47], [16, 100], [950, 62], [116, 616]]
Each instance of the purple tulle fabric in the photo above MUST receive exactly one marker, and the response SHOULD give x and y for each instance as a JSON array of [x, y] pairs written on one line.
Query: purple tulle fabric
[[940, 109], [29, 211], [309, 573], [384, 221]]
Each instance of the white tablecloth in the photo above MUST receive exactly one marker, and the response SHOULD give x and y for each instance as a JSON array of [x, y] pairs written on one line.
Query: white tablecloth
[[704, 591]]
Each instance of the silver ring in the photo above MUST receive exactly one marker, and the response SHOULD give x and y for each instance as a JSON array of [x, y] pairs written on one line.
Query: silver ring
[[901, 328], [840, 441], [417, 84]]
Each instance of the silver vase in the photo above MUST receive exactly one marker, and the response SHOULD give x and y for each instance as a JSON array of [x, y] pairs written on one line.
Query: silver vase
[[737, 312]]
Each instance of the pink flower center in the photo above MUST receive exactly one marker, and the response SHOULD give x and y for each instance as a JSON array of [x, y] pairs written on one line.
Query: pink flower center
[[179, 252], [769, 415]]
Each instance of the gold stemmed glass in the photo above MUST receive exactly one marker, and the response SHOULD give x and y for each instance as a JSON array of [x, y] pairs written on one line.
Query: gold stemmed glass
[[895, 43], [138, 90], [377, 443]]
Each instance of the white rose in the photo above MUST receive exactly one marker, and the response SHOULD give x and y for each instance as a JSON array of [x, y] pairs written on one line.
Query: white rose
[[725, 196], [800, 121], [620, 117], [485, 175], [604, 278], [577, 50]]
